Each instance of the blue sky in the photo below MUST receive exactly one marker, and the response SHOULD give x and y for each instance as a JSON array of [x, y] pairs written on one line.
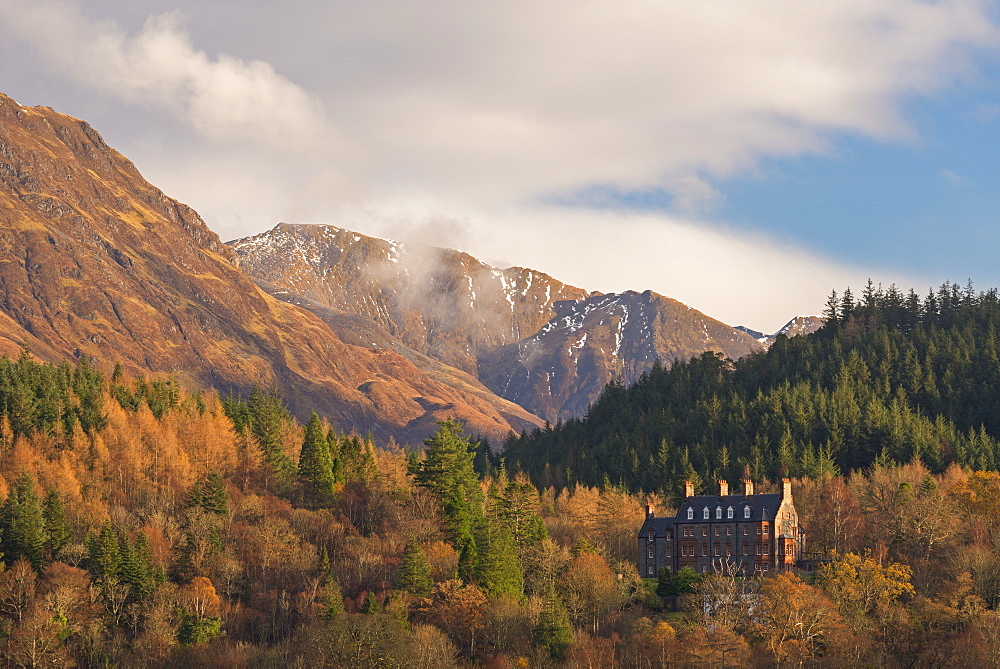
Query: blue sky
[[744, 158]]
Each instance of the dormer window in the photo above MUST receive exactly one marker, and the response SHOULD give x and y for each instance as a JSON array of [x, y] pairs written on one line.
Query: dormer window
[[705, 513], [651, 534], [690, 514], [718, 513], [729, 513], [746, 512]]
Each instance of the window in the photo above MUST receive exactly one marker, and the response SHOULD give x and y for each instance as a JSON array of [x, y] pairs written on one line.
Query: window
[[704, 569], [729, 513], [763, 567], [667, 552], [746, 548], [746, 512], [650, 569], [717, 530], [651, 534], [704, 530], [718, 513], [729, 530], [670, 535], [717, 553], [729, 550], [766, 530], [746, 530], [758, 529], [705, 513], [765, 549], [650, 553], [690, 514], [704, 550], [756, 548]]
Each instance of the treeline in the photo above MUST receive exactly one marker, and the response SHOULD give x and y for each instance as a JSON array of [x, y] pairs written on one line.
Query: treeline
[[889, 378]]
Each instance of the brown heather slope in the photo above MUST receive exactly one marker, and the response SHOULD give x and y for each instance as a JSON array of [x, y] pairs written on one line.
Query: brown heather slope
[[96, 261], [439, 302], [559, 372]]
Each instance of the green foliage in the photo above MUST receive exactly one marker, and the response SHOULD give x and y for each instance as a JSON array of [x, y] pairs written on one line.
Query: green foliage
[[42, 397], [57, 533], [23, 523], [681, 583], [498, 569], [415, 570], [371, 604], [553, 631], [891, 376], [264, 417], [447, 471], [315, 463], [197, 629]]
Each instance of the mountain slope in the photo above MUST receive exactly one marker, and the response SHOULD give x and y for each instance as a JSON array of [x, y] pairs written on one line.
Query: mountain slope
[[549, 347], [439, 302], [96, 261], [560, 371]]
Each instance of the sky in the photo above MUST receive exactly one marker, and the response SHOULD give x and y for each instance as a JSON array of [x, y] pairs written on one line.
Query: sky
[[745, 158]]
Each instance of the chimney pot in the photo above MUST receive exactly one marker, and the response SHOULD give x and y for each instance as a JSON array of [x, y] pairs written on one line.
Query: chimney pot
[[747, 487], [723, 488]]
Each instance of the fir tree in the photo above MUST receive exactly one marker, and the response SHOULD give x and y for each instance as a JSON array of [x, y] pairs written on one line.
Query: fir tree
[[415, 570], [315, 467], [24, 523], [57, 533], [553, 631], [215, 497]]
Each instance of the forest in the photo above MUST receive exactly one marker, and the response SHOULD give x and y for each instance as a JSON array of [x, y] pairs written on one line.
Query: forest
[[145, 523], [891, 377]]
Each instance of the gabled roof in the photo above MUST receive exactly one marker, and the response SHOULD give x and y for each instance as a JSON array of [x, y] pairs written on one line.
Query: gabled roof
[[762, 507], [659, 525]]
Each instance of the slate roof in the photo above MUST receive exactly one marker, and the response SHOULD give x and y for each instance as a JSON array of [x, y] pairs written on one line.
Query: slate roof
[[762, 507], [659, 525]]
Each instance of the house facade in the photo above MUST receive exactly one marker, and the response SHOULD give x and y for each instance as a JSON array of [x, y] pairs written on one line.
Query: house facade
[[743, 533]]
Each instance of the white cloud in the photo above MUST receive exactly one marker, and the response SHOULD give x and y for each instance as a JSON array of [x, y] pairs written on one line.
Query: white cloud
[[738, 278], [225, 99], [468, 114]]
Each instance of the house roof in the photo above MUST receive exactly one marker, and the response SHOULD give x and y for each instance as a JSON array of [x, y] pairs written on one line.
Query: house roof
[[762, 507], [659, 526]]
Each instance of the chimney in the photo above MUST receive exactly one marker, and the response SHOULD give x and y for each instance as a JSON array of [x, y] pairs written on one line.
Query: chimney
[[649, 512], [688, 489], [786, 489], [747, 487], [723, 488]]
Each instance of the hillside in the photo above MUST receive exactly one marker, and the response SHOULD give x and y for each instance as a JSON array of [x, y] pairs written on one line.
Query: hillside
[[561, 370], [891, 379], [95, 261], [535, 341]]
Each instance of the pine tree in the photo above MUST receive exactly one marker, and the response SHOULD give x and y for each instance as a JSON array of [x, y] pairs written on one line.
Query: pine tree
[[55, 523], [415, 570], [215, 497], [553, 631], [315, 467], [499, 570], [105, 553], [447, 471], [24, 523]]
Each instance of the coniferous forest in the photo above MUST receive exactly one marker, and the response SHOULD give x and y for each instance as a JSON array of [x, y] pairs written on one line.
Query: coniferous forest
[[890, 378], [145, 523]]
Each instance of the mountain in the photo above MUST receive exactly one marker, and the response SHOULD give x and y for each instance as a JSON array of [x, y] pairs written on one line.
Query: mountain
[[561, 370], [95, 261], [800, 325], [439, 302], [545, 345]]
